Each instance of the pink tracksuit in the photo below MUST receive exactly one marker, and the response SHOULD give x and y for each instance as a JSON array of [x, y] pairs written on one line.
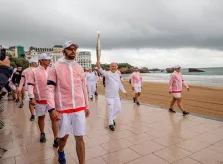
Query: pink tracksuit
[[24, 79], [176, 83], [66, 87], [136, 79], [37, 82]]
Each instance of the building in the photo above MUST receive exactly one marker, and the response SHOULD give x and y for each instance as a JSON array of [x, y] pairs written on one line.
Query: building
[[20, 52], [34, 52], [55, 52], [84, 59], [12, 51]]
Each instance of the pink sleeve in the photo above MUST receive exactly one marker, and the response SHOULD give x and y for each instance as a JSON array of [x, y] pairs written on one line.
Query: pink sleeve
[[50, 89], [183, 83], [171, 83], [85, 91], [132, 80], [30, 83]]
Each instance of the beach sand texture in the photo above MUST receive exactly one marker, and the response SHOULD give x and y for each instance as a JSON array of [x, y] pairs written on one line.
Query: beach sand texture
[[207, 101]]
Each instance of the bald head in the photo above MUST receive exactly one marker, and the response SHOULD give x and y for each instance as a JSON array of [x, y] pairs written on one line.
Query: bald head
[[113, 67]]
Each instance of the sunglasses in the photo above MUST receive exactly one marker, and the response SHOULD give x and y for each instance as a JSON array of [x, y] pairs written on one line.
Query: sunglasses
[[71, 49]]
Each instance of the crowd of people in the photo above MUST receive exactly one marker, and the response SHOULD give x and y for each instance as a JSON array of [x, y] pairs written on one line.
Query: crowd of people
[[64, 89]]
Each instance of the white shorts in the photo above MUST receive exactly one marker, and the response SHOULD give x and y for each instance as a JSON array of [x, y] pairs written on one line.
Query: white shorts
[[41, 109], [13, 87], [137, 89], [177, 95], [72, 123], [26, 97]]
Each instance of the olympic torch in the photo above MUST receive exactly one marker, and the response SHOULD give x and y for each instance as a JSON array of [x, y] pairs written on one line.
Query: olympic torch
[[98, 47]]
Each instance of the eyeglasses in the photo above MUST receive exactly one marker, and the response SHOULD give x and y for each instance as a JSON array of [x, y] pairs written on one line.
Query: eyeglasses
[[71, 49]]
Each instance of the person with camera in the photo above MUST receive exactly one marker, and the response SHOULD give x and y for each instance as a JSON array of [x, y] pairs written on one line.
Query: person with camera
[[16, 80], [5, 72]]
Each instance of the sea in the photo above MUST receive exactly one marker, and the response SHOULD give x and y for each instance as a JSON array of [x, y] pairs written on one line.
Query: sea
[[211, 77]]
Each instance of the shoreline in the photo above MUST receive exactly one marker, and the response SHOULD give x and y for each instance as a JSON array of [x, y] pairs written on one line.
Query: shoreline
[[201, 100], [193, 85]]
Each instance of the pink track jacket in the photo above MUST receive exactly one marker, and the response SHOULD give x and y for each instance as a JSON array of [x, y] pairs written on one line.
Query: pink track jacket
[[66, 87], [23, 82], [136, 79], [176, 82], [37, 82]]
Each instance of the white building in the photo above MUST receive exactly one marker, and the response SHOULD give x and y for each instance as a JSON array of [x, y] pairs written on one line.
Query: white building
[[84, 59], [55, 52]]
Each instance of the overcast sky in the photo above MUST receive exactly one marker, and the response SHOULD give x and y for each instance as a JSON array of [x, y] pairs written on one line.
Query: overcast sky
[[152, 33]]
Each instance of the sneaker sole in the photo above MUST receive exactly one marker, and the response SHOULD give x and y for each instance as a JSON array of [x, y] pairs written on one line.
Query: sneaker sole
[[43, 141]]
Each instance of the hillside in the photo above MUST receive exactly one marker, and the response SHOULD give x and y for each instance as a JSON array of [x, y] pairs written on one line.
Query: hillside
[[124, 68]]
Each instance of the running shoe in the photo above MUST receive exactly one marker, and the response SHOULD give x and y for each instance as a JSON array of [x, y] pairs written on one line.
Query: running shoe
[[111, 127], [21, 105], [171, 110], [61, 157], [185, 113], [42, 138], [32, 118]]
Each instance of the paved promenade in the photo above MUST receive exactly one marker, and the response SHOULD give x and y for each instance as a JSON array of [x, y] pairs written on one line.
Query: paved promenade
[[144, 135]]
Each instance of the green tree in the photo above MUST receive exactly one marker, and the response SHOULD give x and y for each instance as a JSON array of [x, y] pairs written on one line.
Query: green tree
[[18, 61]]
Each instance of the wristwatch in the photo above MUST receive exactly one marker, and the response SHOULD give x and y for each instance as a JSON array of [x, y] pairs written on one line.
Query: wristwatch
[[50, 110]]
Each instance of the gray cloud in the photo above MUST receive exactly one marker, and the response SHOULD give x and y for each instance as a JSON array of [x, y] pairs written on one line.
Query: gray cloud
[[123, 24]]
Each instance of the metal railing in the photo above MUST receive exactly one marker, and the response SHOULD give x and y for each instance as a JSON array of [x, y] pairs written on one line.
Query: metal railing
[[1, 122]]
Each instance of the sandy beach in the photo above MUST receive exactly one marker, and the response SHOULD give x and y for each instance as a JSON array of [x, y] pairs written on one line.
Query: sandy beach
[[207, 101]]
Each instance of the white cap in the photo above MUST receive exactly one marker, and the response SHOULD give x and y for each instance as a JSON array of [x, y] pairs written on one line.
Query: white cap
[[95, 67], [69, 43], [33, 60], [177, 66], [44, 56]]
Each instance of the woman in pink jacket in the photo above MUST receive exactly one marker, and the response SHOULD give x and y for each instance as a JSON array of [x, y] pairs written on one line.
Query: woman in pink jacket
[[23, 87], [136, 81], [175, 88], [37, 82], [68, 100]]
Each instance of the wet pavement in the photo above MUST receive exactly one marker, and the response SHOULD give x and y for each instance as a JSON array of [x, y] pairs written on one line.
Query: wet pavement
[[144, 135]]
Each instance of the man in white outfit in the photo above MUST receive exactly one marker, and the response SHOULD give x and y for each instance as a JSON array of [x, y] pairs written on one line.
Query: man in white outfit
[[96, 74], [112, 86], [91, 80]]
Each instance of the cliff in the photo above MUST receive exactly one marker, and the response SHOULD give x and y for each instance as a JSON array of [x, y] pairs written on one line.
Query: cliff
[[195, 70]]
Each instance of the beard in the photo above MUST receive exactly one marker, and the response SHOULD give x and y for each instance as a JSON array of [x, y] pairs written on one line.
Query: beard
[[71, 56]]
